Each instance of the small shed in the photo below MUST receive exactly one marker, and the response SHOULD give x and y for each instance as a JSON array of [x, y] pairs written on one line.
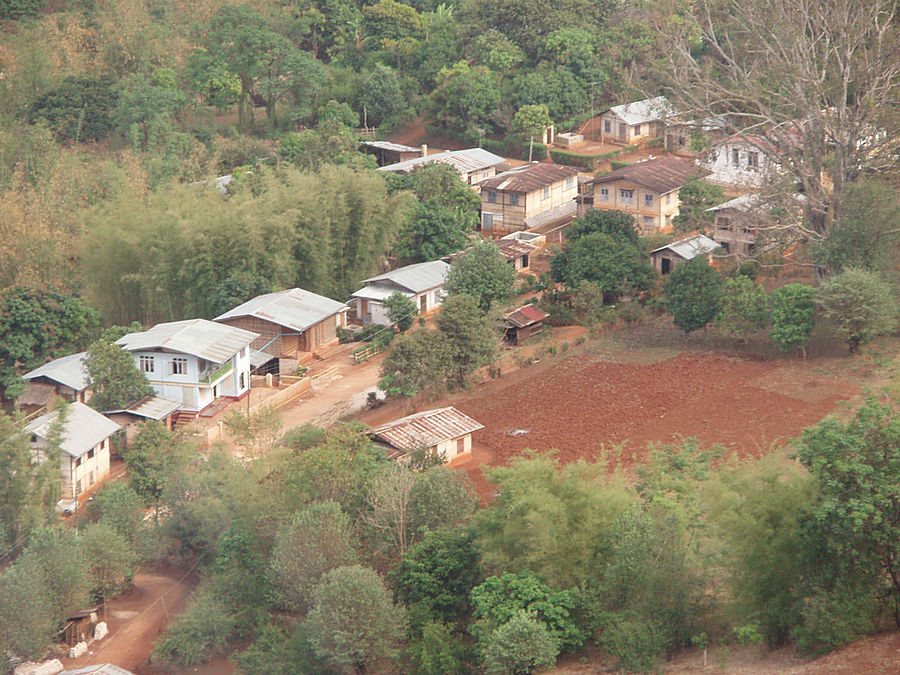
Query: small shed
[[80, 625], [446, 431], [524, 322], [666, 257], [150, 407]]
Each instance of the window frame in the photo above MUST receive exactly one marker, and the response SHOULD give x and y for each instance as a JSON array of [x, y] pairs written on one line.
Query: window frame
[[146, 364], [179, 365]]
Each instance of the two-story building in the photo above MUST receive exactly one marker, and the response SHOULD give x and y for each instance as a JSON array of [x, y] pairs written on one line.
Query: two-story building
[[741, 161], [422, 282], [648, 190], [736, 225], [527, 196], [636, 122], [292, 325], [83, 436], [193, 361], [473, 164]]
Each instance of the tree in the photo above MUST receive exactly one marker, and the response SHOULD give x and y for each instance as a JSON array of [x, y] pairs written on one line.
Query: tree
[[433, 231], [27, 621], [612, 262], [438, 651], [401, 311], [519, 647], [816, 78], [153, 460], [318, 539], [382, 98], [531, 120], [482, 273], [745, 308], [16, 9], [79, 109], [353, 622], [466, 97], [147, 106], [236, 289], [119, 507], [861, 305], [387, 519], [114, 378], [255, 431], [597, 221], [417, 364], [441, 497], [471, 335], [694, 292], [694, 198], [793, 315], [111, 560], [37, 325]]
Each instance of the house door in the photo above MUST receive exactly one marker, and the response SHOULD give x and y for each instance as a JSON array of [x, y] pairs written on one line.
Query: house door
[[487, 221], [666, 265], [623, 131], [423, 303]]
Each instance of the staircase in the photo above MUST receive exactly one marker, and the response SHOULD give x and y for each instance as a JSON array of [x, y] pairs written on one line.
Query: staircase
[[182, 418]]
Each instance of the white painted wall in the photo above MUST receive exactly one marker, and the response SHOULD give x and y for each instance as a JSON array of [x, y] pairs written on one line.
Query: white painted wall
[[721, 163]]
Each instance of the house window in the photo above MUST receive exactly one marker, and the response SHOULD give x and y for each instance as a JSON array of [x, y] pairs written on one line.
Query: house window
[[146, 363], [570, 181], [627, 196], [648, 199], [649, 222], [179, 365], [487, 221], [34, 438], [546, 194], [604, 194], [637, 129], [735, 157], [491, 197], [667, 199], [513, 199], [607, 126], [90, 454], [753, 161], [242, 381], [91, 478], [77, 462]]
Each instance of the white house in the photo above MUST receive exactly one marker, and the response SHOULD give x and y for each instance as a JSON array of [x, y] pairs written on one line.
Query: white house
[[665, 258], [473, 164], [747, 161], [446, 431], [635, 122], [423, 282], [66, 377], [84, 438], [193, 361]]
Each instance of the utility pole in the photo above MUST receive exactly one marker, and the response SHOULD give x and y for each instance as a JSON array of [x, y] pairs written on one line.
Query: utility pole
[[593, 121]]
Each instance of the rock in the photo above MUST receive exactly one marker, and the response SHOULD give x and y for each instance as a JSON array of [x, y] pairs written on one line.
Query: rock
[[51, 667], [78, 650], [100, 630]]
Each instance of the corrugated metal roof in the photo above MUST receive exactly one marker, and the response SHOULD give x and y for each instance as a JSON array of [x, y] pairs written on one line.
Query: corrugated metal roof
[[464, 161], [104, 669], [415, 278], [426, 429], [526, 316], [661, 175], [528, 177], [393, 147], [567, 209], [742, 203], [513, 248], [690, 247], [83, 429], [151, 407], [380, 291], [294, 308], [205, 339], [646, 110], [68, 370]]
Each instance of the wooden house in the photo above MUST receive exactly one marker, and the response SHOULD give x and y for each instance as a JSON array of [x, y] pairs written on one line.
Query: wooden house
[[387, 153], [527, 196], [422, 282], [65, 377], [635, 122], [524, 322], [665, 258], [154, 408], [446, 431]]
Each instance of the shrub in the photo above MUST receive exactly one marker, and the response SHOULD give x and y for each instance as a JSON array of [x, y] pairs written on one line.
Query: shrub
[[519, 647], [203, 629], [636, 643], [630, 311]]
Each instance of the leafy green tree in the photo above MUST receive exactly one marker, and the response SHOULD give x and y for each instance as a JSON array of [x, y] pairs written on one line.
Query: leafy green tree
[[318, 539], [257, 431], [154, 460], [146, 108], [60, 562], [114, 377], [118, 506], [111, 559], [401, 311], [483, 274], [281, 650], [441, 497], [550, 85], [417, 364], [197, 634], [694, 292], [745, 307], [432, 232], [27, 620], [383, 98], [353, 622], [38, 325], [466, 96], [437, 651], [17, 9], [694, 197], [793, 315], [471, 335], [520, 647], [531, 120], [614, 223], [861, 305], [497, 52], [236, 289], [79, 109], [610, 261]]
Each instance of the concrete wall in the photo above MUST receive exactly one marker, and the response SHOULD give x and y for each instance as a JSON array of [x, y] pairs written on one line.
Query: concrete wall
[[730, 164], [612, 128]]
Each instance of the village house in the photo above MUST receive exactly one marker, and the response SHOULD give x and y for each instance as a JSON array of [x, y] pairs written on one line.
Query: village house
[[665, 258], [524, 322], [155, 408], [445, 431], [516, 252], [740, 161], [423, 282], [636, 122], [65, 377], [292, 326], [736, 225], [473, 164], [84, 439], [527, 196], [194, 361], [387, 153], [648, 190]]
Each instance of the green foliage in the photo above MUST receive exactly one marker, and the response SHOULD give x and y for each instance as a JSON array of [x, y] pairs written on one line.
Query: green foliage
[[383, 98], [111, 559], [154, 459], [636, 643], [589, 162], [745, 308], [417, 364], [434, 231], [17, 9], [614, 223], [236, 289], [793, 315], [118, 506], [79, 109], [471, 336], [401, 311], [482, 273], [588, 302], [466, 97], [694, 292], [519, 647], [146, 108], [279, 650], [833, 618], [437, 651], [694, 197], [27, 620], [441, 497], [38, 325], [531, 120], [114, 377], [612, 262], [197, 634], [256, 431], [353, 622], [860, 304]]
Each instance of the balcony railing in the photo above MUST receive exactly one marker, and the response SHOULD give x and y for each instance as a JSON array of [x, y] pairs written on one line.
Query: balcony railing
[[210, 376]]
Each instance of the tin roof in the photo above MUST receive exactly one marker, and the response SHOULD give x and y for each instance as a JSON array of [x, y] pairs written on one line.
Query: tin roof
[[525, 316], [528, 177], [415, 278], [646, 110], [68, 370], [151, 407], [464, 161], [743, 203], [691, 247], [294, 308], [84, 428], [393, 147], [661, 175], [425, 429], [103, 669], [198, 337]]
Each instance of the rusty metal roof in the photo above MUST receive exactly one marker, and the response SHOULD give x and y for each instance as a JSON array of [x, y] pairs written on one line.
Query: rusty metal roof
[[526, 315], [205, 339], [661, 175], [294, 308], [528, 177], [425, 429]]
